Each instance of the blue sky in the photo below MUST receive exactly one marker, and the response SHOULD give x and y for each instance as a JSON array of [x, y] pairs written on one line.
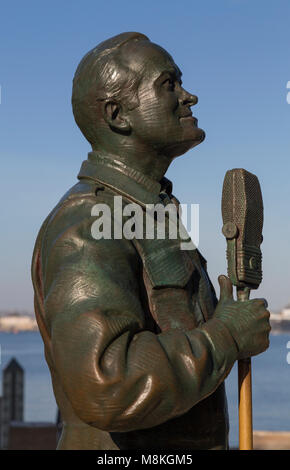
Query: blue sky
[[234, 55]]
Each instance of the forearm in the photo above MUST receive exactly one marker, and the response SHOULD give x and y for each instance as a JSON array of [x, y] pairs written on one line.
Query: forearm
[[134, 381]]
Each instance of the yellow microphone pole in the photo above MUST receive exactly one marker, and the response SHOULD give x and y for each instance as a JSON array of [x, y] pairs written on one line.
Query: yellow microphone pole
[[245, 393]]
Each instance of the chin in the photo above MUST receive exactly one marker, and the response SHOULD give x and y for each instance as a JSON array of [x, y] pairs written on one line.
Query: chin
[[190, 139], [199, 137]]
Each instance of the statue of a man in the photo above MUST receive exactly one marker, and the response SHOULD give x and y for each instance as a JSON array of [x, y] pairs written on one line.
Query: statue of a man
[[137, 344]]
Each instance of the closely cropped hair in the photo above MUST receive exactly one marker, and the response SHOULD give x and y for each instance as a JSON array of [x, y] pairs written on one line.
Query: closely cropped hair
[[100, 76]]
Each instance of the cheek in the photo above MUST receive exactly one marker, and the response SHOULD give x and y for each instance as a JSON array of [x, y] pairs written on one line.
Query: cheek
[[158, 108], [152, 112], [158, 118]]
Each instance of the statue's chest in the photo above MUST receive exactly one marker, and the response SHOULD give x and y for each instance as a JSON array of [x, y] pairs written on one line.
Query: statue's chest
[[176, 285]]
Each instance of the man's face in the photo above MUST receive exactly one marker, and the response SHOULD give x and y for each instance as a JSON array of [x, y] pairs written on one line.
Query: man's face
[[163, 119]]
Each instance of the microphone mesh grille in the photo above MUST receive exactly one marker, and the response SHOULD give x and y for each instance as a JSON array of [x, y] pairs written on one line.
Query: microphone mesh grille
[[242, 204], [242, 211]]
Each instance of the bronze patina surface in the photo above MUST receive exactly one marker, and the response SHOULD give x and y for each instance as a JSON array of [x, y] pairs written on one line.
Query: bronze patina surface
[[137, 344]]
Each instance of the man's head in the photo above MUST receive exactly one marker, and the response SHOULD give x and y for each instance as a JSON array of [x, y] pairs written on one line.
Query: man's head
[[128, 88]]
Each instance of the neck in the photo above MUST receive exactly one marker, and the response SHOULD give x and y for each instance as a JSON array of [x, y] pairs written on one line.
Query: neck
[[148, 162]]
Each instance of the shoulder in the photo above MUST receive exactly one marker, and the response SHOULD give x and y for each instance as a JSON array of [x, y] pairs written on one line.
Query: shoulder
[[75, 208], [69, 229]]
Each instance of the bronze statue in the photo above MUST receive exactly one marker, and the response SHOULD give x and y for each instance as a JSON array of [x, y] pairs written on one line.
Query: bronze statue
[[137, 344]]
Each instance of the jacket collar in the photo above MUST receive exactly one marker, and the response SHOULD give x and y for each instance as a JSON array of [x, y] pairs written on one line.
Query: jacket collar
[[125, 180]]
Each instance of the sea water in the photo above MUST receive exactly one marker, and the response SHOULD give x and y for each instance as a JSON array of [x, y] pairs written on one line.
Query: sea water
[[270, 379]]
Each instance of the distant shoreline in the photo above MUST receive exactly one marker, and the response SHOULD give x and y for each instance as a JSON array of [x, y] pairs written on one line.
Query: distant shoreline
[[17, 323], [14, 323], [280, 327], [19, 331], [276, 330]]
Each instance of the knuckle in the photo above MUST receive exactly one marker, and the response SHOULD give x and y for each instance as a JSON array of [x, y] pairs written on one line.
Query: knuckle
[[259, 301]]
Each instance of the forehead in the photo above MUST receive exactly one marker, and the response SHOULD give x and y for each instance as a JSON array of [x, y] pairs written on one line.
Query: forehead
[[148, 59]]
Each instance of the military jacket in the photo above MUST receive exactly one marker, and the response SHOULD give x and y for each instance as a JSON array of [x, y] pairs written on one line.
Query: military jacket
[[136, 356]]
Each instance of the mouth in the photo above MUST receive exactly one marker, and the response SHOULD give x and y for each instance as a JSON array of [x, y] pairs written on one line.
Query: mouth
[[189, 117], [186, 114]]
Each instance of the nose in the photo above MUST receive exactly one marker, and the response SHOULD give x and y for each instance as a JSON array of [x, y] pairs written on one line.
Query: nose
[[187, 98]]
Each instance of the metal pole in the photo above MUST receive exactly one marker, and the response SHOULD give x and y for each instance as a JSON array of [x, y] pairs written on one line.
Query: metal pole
[[245, 392]]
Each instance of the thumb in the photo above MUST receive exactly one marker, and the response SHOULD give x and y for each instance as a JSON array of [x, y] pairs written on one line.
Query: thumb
[[226, 288]]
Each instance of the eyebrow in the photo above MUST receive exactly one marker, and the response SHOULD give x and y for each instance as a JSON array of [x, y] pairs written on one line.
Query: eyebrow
[[174, 72]]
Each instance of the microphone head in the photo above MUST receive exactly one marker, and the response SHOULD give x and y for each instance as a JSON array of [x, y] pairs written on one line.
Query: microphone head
[[242, 212]]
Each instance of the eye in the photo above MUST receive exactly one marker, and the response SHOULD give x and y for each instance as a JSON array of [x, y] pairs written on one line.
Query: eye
[[169, 84]]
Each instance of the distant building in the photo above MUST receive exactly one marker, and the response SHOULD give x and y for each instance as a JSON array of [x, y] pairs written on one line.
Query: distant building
[[285, 313], [280, 322], [32, 436], [15, 322], [14, 432], [12, 398]]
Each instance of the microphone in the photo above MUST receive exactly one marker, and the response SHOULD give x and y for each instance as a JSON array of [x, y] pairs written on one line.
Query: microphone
[[242, 213]]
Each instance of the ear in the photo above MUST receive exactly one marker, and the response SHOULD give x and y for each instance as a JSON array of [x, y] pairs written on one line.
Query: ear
[[116, 117]]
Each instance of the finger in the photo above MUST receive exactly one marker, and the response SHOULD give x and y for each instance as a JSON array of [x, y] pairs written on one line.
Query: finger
[[226, 288]]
